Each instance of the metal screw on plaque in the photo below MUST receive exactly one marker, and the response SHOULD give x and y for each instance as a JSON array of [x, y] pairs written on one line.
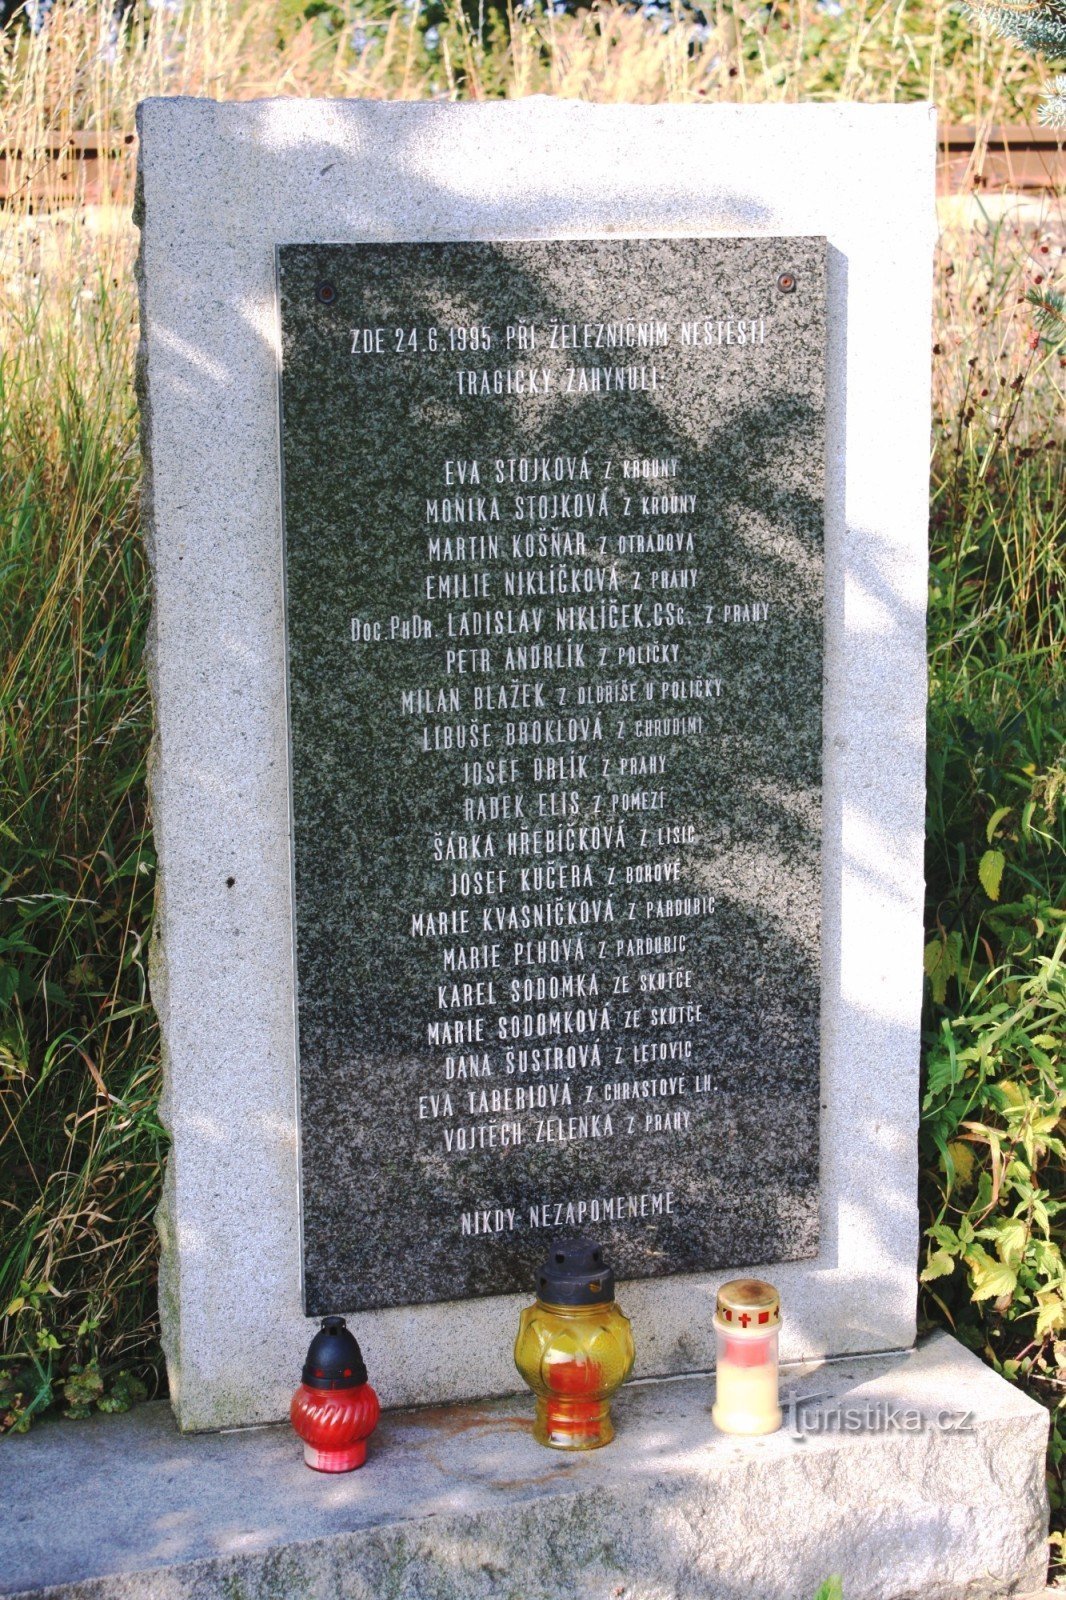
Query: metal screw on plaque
[[787, 283], [325, 293]]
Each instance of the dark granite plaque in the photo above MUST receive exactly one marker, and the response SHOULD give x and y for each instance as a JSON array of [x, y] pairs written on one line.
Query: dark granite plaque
[[553, 545]]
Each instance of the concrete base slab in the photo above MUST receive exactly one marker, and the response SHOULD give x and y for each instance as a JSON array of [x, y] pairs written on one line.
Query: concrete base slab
[[910, 1474]]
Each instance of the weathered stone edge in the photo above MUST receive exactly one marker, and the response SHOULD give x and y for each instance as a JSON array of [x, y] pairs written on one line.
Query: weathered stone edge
[[587, 1543], [169, 1286]]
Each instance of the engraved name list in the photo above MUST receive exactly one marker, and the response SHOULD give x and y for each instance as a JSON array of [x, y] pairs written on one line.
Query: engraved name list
[[553, 560]]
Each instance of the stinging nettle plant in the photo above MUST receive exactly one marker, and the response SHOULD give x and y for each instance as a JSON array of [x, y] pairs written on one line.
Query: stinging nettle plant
[[1039, 26]]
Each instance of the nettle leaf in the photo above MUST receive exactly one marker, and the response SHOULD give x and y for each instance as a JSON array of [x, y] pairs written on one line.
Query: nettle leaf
[[940, 1073], [994, 821], [938, 1266], [962, 1158], [831, 1589], [990, 872], [942, 959], [990, 1278], [1051, 1317], [1011, 1236], [1010, 1094], [1047, 1261]]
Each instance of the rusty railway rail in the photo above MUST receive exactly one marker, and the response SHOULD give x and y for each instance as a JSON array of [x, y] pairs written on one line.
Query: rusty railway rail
[[74, 168], [1000, 160], [93, 168]]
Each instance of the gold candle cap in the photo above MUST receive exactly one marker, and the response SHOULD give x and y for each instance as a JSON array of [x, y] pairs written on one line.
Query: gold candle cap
[[748, 1303]]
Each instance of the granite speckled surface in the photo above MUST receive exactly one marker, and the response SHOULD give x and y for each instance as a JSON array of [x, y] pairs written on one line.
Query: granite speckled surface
[[220, 187], [609, 583], [460, 1503]]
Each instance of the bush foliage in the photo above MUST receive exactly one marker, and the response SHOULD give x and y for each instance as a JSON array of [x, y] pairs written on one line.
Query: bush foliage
[[992, 1133]]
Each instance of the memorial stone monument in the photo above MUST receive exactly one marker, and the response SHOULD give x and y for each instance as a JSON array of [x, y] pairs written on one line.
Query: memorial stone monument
[[537, 498]]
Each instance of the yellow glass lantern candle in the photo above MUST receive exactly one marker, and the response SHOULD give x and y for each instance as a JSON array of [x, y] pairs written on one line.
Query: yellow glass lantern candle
[[746, 1323], [574, 1347]]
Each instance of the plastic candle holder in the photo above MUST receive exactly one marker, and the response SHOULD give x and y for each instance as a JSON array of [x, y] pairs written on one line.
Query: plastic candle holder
[[574, 1348], [746, 1323], [334, 1410]]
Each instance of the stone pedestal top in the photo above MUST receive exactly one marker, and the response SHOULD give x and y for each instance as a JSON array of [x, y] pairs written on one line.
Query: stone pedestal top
[[915, 1473]]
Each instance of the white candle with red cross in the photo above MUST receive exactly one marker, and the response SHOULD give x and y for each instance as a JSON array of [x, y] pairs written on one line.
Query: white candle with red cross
[[746, 1323]]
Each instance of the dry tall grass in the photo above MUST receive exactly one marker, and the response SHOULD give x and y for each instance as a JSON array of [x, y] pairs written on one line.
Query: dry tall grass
[[78, 74]]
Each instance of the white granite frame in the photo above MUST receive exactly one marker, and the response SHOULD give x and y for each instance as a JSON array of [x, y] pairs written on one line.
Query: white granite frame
[[221, 184]]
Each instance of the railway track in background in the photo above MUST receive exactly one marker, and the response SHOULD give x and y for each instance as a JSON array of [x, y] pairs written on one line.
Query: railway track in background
[[91, 168]]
